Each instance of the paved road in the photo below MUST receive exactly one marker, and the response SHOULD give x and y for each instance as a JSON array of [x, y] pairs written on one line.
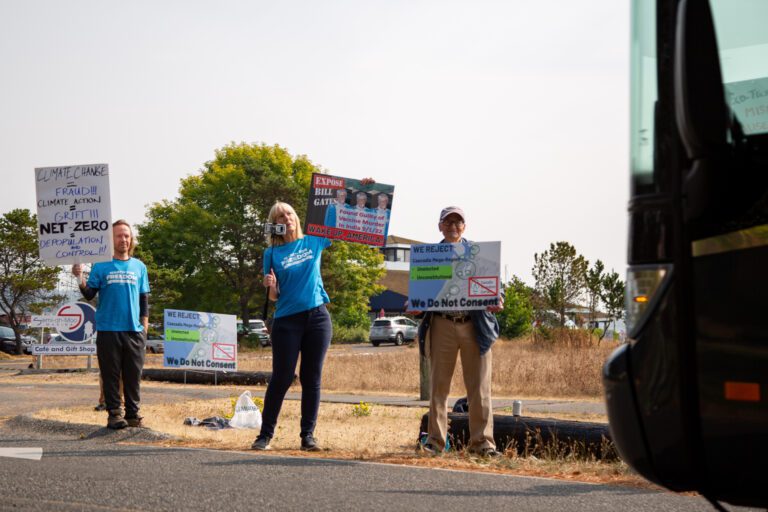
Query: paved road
[[98, 474], [101, 473]]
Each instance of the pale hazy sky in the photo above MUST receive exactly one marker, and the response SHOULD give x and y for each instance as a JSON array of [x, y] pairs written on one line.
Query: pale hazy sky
[[516, 110]]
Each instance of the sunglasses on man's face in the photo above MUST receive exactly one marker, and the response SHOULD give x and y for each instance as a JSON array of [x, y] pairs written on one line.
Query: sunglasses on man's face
[[455, 223]]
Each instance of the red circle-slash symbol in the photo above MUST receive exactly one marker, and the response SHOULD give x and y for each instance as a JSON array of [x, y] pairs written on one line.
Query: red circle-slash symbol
[[78, 315]]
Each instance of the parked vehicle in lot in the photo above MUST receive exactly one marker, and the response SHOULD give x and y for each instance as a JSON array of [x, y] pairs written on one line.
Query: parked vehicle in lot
[[155, 343], [395, 330], [255, 328], [8, 341]]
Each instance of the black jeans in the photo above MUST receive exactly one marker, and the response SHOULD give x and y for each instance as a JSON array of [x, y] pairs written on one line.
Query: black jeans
[[307, 333], [121, 354]]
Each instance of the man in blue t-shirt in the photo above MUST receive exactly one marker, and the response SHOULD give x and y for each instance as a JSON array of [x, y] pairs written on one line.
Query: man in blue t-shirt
[[121, 324]]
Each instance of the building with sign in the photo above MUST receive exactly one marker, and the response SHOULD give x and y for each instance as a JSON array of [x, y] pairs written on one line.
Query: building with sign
[[397, 260]]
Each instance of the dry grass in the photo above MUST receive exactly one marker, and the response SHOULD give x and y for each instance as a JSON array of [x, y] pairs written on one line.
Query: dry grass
[[522, 368], [388, 435], [387, 430]]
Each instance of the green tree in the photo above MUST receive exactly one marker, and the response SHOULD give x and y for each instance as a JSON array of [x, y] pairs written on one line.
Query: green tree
[[516, 317], [560, 275], [164, 284], [350, 274], [25, 282], [212, 235], [613, 296], [593, 285]]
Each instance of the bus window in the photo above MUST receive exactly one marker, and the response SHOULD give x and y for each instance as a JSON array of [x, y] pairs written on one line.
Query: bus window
[[644, 95], [742, 39]]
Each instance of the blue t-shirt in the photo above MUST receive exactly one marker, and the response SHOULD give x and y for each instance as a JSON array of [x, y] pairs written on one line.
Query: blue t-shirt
[[297, 267], [119, 283]]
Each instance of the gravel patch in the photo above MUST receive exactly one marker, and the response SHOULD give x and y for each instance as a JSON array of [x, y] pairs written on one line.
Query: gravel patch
[[85, 431]]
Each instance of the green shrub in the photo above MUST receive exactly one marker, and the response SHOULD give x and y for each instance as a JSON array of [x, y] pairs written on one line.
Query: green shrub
[[249, 342], [349, 334], [517, 316]]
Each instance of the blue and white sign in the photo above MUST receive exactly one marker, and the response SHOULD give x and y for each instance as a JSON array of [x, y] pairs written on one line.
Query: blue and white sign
[[200, 341], [454, 277]]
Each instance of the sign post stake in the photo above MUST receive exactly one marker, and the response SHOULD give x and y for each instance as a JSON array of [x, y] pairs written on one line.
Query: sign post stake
[[39, 358]]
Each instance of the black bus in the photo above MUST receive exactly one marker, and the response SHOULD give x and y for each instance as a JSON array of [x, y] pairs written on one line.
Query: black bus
[[687, 396]]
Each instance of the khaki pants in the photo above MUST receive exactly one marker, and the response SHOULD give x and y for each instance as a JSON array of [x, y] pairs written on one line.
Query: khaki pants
[[446, 340]]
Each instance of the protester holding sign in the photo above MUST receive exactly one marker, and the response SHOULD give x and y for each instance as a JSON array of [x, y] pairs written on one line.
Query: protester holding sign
[[301, 324], [445, 334], [121, 324]]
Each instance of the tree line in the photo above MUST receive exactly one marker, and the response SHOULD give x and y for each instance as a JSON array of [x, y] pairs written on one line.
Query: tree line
[[563, 279]]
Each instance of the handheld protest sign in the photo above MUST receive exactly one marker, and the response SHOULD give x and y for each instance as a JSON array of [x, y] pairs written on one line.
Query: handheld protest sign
[[454, 277], [74, 214], [346, 209]]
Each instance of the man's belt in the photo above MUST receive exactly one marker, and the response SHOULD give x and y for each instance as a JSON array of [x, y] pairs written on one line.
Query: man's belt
[[458, 318]]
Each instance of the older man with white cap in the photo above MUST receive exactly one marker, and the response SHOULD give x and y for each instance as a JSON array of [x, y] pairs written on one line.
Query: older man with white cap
[[443, 336]]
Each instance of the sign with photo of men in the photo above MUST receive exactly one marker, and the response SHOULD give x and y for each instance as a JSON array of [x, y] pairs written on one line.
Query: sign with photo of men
[[349, 210]]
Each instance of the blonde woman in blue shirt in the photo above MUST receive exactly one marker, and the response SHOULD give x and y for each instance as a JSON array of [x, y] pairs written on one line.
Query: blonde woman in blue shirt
[[301, 324]]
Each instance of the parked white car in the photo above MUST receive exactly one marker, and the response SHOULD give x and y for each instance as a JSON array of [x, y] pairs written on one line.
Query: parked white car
[[395, 330], [155, 343]]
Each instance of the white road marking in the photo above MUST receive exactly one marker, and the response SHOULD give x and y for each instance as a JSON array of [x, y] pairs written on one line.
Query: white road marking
[[22, 453]]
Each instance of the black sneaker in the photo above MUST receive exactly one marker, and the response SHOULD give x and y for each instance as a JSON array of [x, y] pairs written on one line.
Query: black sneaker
[[100, 407], [309, 444], [261, 443], [116, 421]]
